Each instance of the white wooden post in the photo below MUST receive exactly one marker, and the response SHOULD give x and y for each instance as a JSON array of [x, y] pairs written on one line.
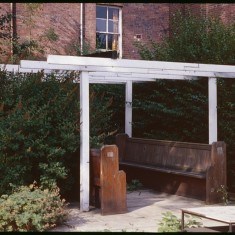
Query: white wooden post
[[212, 99], [128, 109], [84, 142]]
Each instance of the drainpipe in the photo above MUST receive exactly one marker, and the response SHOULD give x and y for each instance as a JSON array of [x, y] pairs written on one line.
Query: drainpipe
[[81, 27], [13, 26], [11, 6]]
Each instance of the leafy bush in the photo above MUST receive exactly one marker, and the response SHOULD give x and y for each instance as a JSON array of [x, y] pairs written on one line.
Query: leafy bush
[[110, 99], [30, 48], [223, 191], [31, 208], [170, 223], [74, 47], [171, 110], [39, 128], [5, 34], [183, 105], [134, 185], [105, 115], [214, 43]]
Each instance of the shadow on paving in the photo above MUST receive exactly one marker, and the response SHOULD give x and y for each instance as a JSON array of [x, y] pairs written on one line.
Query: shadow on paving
[[142, 198], [145, 208]]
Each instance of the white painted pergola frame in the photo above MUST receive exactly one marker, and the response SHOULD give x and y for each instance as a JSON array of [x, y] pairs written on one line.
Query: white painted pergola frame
[[104, 70]]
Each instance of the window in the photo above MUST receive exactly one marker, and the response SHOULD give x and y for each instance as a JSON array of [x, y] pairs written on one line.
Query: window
[[108, 35]]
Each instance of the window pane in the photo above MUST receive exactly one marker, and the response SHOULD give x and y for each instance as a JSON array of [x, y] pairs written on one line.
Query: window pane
[[115, 43], [112, 42], [101, 12], [110, 37], [113, 26], [100, 41], [110, 26], [113, 13], [100, 25], [107, 28]]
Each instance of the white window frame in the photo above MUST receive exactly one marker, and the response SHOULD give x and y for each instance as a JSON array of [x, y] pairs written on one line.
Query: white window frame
[[119, 34]]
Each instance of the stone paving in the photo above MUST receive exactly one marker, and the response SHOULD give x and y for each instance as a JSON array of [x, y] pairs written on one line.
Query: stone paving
[[145, 208]]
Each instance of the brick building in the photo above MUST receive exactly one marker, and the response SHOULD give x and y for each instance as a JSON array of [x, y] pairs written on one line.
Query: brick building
[[58, 27]]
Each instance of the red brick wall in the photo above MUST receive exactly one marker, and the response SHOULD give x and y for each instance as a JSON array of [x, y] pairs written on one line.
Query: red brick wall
[[148, 19], [90, 24], [196, 8], [224, 11], [64, 18], [151, 20]]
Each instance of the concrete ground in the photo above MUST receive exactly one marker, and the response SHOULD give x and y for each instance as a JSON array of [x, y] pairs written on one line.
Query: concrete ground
[[145, 208]]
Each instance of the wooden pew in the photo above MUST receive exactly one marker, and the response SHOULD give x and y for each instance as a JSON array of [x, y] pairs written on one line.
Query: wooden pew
[[187, 169], [108, 184]]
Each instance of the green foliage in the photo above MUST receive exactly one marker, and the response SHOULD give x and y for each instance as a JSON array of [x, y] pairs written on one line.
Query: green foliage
[[171, 110], [223, 191], [134, 185], [29, 47], [39, 128], [113, 97], [51, 35], [178, 110], [170, 223], [103, 126], [74, 47], [31, 208], [26, 49], [214, 41], [5, 33], [31, 9]]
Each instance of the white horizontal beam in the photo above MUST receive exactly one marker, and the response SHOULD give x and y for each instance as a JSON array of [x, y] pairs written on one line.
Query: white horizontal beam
[[224, 75], [164, 73], [30, 64], [104, 78], [192, 73], [18, 69], [144, 64], [105, 82], [10, 67], [153, 72], [95, 77], [137, 76]]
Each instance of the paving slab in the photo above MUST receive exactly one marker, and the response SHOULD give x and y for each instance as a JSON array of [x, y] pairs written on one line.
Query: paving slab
[[145, 208]]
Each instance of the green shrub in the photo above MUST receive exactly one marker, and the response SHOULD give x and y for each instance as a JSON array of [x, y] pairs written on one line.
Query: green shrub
[[170, 223], [39, 129], [214, 43], [183, 105], [102, 126], [109, 99], [134, 185], [5, 34], [223, 191], [31, 208]]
